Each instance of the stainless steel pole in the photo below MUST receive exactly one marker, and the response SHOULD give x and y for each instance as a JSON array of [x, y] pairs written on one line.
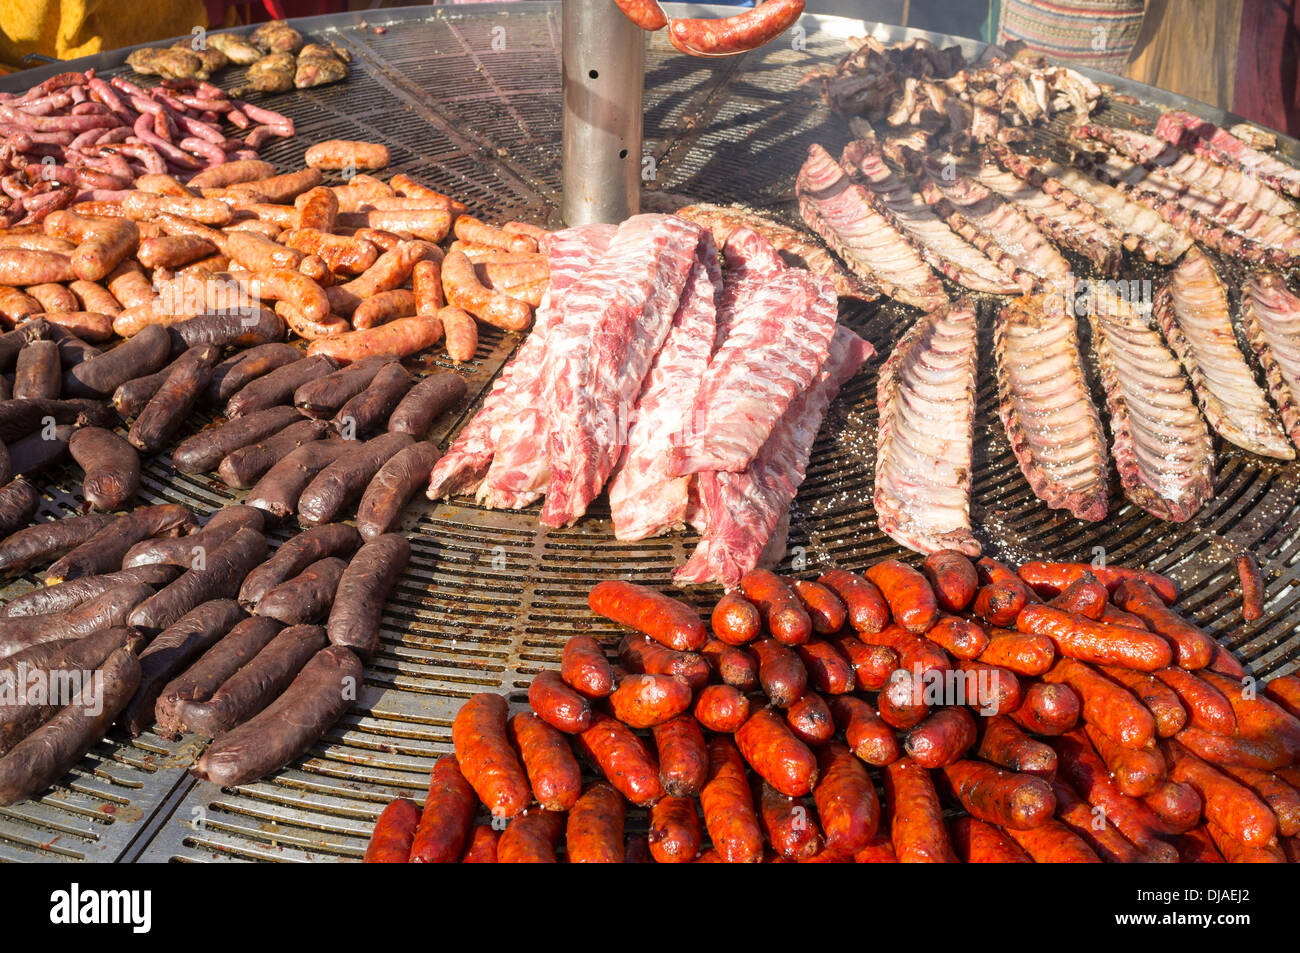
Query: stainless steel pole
[[604, 74]]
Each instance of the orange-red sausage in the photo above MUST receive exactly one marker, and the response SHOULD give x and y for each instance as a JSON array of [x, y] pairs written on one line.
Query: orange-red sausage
[[911, 601], [953, 579], [773, 751], [683, 756], [867, 609], [916, 817], [663, 618], [390, 841], [594, 831], [552, 769], [485, 757], [1081, 638], [778, 606], [728, 806], [557, 704], [447, 817], [585, 669]]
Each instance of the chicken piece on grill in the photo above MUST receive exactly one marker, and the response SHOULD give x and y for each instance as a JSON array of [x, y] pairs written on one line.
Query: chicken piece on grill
[[319, 69], [213, 59], [277, 37], [236, 48], [273, 73]]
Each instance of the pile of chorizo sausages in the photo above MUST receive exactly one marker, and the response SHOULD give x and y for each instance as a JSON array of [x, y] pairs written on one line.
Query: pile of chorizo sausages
[[77, 137], [956, 712]]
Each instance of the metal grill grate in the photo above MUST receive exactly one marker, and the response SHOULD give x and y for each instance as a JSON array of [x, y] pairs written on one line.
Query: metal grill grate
[[489, 597]]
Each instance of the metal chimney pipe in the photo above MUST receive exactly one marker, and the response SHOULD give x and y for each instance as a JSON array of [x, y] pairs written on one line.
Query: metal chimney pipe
[[604, 75]]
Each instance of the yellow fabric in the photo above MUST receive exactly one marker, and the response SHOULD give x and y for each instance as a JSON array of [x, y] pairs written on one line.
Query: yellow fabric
[[1189, 47], [66, 29]]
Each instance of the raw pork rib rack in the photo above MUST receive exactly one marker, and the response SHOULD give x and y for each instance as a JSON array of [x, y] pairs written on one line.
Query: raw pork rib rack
[[489, 597]]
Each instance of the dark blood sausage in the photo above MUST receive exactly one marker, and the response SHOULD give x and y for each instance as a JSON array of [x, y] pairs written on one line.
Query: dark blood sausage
[[1086, 596], [346, 478], [47, 753], [552, 769], [916, 817], [1012, 801], [781, 672], [728, 806], [643, 701], [204, 450], [133, 396], [1002, 593], [1193, 648], [791, 828], [1048, 579], [1048, 709], [222, 330], [390, 841], [278, 490], [38, 371], [911, 601], [1081, 638], [846, 800], [55, 661], [779, 607], [18, 504], [162, 417], [242, 468], [426, 402], [810, 719], [45, 541], [225, 569], [735, 620], [366, 585], [664, 619], [868, 612], [733, 664], [278, 386], [234, 372], [1252, 587], [585, 669], [639, 653], [173, 651], [952, 577], [1106, 704], [396, 484], [321, 396], [371, 408], [683, 756], [623, 759], [773, 751], [198, 682], [557, 704], [675, 832], [721, 708], [1004, 744], [70, 594], [307, 596], [294, 556], [257, 682], [594, 833], [111, 466], [106, 610], [979, 843], [39, 451], [189, 552], [944, 737], [872, 664], [137, 356], [867, 735], [448, 815], [288, 727], [21, 418]]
